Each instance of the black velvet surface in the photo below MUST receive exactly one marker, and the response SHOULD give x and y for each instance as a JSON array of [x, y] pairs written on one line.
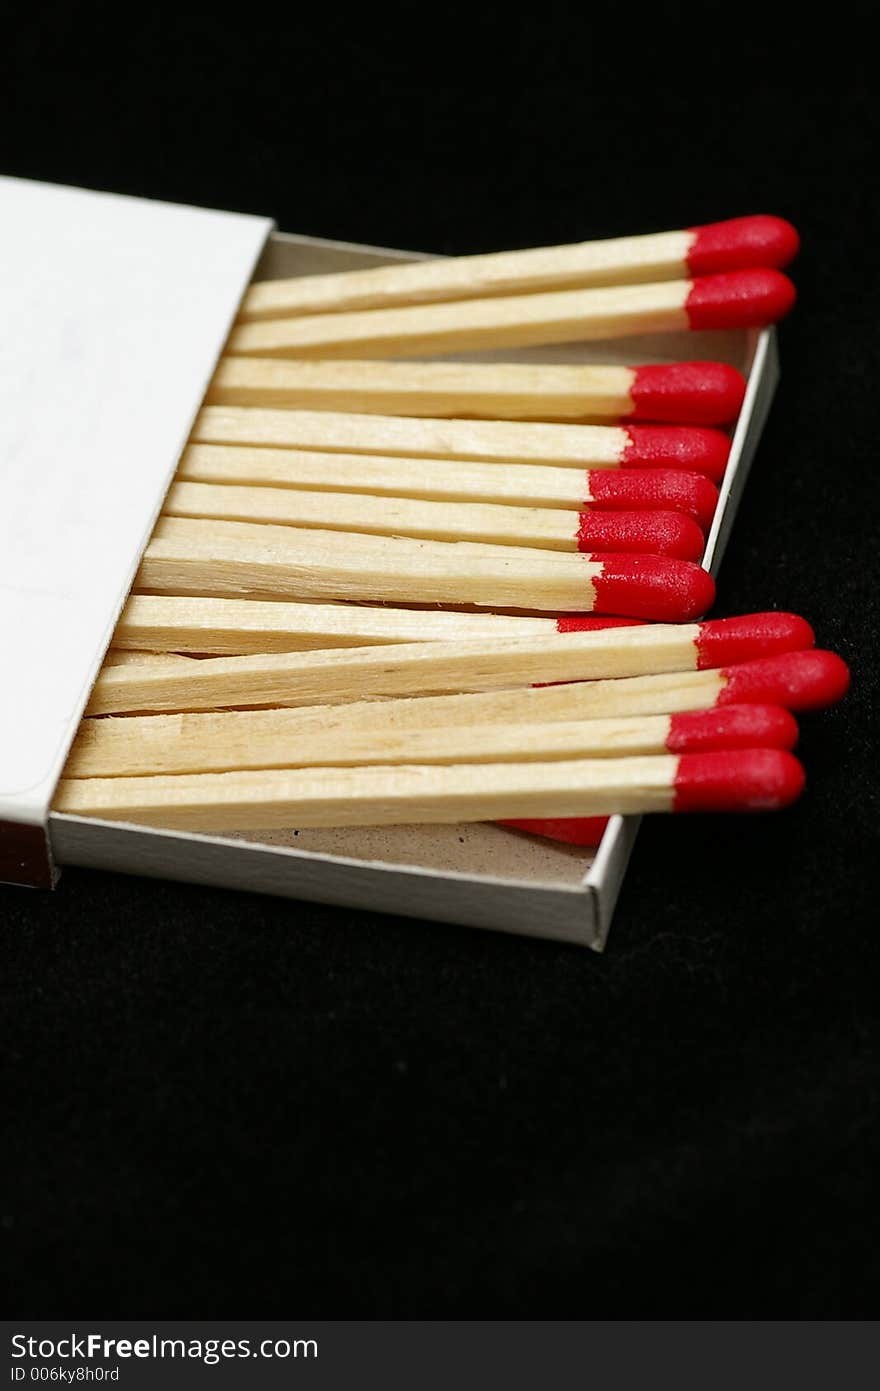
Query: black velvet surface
[[222, 1105]]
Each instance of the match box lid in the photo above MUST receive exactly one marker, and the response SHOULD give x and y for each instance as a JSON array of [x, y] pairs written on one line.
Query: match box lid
[[115, 310]]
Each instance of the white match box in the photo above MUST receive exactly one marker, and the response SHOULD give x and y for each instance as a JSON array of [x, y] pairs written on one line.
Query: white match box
[[115, 313]]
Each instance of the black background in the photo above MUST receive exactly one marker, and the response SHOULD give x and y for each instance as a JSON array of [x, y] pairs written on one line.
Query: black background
[[223, 1105]]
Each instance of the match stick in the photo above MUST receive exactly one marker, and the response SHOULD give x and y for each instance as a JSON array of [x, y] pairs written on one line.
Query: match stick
[[239, 559], [734, 726], [697, 448], [682, 393], [648, 533], [736, 300], [142, 744], [719, 246], [731, 780], [132, 656], [237, 627], [342, 675], [525, 485]]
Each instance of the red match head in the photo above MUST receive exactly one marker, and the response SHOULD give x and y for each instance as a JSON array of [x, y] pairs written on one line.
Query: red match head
[[589, 623], [798, 680], [695, 448], [655, 587], [737, 780], [741, 242], [572, 830], [732, 727], [646, 533], [723, 641], [688, 393], [641, 489], [739, 299]]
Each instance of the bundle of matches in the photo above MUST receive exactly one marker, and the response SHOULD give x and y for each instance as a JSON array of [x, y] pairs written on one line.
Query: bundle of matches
[[721, 276], [600, 742], [375, 594]]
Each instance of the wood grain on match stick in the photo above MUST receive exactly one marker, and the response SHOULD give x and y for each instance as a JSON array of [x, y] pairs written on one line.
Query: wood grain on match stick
[[340, 675], [183, 751], [458, 481], [498, 391], [234, 627], [306, 540], [578, 446], [377, 795], [139, 744], [120, 656], [187, 556], [656, 256]]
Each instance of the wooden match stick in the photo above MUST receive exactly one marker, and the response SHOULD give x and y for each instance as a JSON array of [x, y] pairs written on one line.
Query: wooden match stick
[[341, 675], [701, 449], [735, 300], [682, 393], [236, 627], [237, 559], [525, 485], [123, 657], [719, 246], [102, 750], [143, 744], [648, 533], [732, 780]]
